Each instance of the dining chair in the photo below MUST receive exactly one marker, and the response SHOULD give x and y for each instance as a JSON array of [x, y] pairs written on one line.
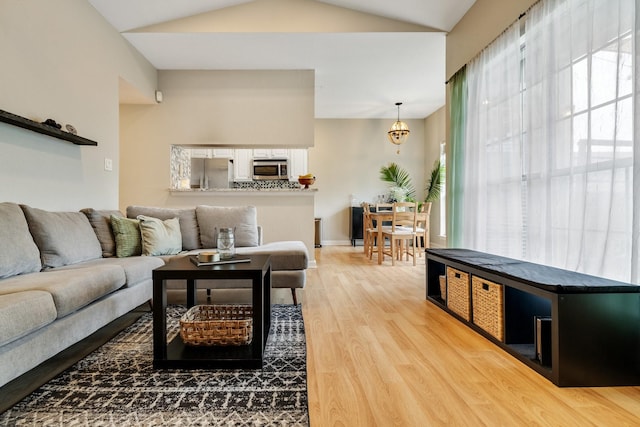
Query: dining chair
[[384, 207], [401, 231], [422, 228], [370, 231]]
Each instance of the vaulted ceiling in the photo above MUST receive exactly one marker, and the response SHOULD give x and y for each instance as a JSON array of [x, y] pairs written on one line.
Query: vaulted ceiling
[[367, 54]]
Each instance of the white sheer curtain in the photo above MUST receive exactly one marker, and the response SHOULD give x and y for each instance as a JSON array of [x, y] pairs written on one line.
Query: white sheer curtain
[[579, 135], [491, 201], [549, 147]]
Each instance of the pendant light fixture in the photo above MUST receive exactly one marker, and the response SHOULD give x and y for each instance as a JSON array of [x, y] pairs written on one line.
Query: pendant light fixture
[[399, 131]]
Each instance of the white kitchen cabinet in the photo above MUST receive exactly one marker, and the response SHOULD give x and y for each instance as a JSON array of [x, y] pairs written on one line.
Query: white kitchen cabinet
[[298, 163], [242, 165], [223, 153], [270, 153], [281, 153], [201, 153]]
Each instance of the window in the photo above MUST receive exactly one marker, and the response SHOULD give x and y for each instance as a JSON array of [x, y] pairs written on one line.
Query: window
[[548, 169]]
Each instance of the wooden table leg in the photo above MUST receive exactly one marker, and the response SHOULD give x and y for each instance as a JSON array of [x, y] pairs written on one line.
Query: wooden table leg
[[380, 243]]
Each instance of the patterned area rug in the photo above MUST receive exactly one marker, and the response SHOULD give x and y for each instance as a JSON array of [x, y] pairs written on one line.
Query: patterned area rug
[[117, 386]]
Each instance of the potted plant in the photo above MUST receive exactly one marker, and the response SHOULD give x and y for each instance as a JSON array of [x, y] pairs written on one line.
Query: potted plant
[[401, 188], [434, 185]]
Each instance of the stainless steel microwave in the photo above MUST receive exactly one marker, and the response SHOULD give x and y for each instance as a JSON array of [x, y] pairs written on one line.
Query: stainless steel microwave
[[270, 169]]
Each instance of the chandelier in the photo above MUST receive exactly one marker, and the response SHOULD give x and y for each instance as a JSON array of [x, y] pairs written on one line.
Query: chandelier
[[399, 131]]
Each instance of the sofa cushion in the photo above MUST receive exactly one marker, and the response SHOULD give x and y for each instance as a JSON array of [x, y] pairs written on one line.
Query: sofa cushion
[[160, 237], [100, 220], [18, 252], [24, 312], [126, 232], [71, 288], [136, 268], [63, 237], [243, 219], [285, 255], [187, 217]]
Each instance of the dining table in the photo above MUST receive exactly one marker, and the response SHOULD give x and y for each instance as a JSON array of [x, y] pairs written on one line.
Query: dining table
[[379, 218]]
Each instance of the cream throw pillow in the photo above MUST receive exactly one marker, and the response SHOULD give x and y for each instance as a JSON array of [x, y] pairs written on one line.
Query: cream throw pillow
[[160, 237]]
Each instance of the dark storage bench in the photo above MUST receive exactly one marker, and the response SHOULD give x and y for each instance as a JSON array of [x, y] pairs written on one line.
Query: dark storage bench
[[574, 329]]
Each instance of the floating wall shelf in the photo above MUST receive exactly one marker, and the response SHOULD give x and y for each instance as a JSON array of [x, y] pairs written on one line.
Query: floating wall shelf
[[25, 123]]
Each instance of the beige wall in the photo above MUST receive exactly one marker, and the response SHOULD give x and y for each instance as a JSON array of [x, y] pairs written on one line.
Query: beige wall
[[272, 108], [231, 108], [435, 134], [61, 60], [346, 161], [482, 24]]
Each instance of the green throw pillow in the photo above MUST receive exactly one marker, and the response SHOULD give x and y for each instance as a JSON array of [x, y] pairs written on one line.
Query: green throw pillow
[[127, 235], [160, 237]]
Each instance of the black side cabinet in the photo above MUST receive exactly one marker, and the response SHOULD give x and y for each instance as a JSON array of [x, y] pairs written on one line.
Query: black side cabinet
[[588, 327], [355, 224]]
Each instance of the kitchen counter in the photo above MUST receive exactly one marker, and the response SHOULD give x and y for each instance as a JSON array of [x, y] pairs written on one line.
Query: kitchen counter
[[245, 192]]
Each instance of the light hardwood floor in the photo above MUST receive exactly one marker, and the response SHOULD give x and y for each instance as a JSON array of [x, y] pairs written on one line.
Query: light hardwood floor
[[379, 354]]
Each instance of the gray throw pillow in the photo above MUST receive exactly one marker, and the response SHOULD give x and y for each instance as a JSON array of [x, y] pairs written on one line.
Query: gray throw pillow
[[63, 237], [160, 237], [100, 220], [18, 252], [243, 219], [187, 217]]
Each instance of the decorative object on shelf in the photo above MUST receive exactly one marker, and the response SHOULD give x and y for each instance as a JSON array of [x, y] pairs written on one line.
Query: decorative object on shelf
[[306, 180], [52, 123], [43, 129], [72, 130], [399, 131]]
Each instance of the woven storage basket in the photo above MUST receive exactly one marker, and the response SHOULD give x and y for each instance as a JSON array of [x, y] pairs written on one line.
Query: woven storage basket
[[223, 325], [458, 292], [487, 306], [443, 287]]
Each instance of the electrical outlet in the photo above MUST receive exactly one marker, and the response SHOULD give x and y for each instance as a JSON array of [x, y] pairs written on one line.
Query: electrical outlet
[[108, 164]]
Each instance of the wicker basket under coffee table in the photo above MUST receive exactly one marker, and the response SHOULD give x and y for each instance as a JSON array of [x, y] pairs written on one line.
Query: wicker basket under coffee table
[[178, 354]]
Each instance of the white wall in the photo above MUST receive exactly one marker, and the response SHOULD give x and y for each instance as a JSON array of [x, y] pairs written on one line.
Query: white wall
[[346, 161], [61, 60]]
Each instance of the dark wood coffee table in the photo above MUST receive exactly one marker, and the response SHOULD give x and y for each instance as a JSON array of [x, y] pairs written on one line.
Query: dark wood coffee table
[[175, 354]]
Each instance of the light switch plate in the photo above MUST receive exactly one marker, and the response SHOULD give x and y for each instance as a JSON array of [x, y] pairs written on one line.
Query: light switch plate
[[108, 164]]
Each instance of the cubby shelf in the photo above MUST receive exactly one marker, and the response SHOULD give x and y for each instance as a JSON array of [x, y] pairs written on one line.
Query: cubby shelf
[[593, 339], [31, 125]]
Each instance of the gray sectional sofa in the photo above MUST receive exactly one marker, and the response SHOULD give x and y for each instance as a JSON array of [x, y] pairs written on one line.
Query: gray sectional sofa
[[64, 275]]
